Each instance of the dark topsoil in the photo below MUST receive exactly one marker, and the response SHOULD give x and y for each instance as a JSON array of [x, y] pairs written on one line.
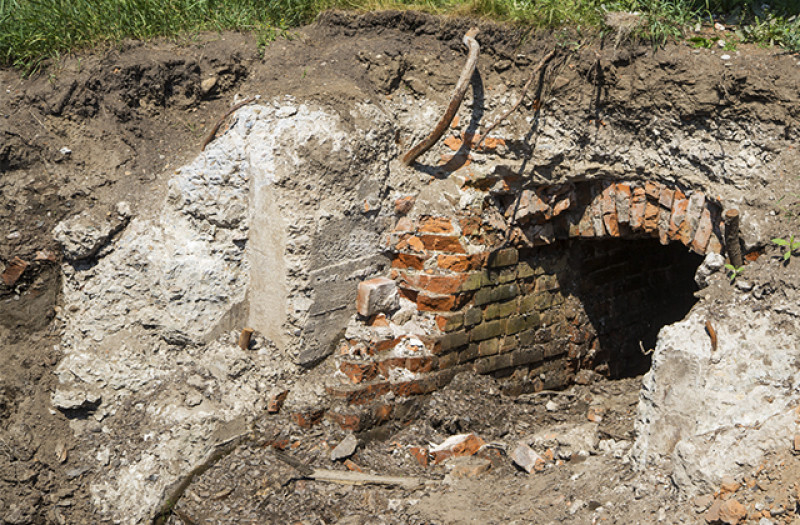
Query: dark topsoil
[[132, 113]]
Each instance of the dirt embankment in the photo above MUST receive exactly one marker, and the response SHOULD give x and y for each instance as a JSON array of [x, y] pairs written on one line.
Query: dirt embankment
[[111, 125]]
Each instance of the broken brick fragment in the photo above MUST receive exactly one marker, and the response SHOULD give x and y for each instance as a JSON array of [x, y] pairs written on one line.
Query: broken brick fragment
[[14, 271], [352, 466], [638, 204], [309, 418], [276, 402], [403, 205]]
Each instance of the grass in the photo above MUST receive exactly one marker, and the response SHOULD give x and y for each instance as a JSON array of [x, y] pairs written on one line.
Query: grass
[[32, 31]]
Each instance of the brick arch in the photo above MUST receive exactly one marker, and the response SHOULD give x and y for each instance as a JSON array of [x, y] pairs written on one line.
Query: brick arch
[[499, 309]]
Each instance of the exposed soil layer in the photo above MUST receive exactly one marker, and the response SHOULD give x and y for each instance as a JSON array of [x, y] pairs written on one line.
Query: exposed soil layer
[[111, 124]]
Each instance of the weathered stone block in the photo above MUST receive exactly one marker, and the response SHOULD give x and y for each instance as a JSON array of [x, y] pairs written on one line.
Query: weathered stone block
[[703, 234], [638, 203], [377, 295], [622, 194], [525, 270]]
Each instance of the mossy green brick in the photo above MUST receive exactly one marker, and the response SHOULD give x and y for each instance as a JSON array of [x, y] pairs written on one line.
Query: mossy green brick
[[452, 341], [519, 323], [498, 310], [496, 294], [525, 270], [473, 316], [474, 282], [487, 330], [489, 347], [502, 258]]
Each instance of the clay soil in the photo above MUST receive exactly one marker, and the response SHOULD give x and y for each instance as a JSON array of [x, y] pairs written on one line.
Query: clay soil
[[110, 125]]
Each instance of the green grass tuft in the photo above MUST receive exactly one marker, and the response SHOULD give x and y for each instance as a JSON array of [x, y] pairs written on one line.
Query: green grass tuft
[[34, 30]]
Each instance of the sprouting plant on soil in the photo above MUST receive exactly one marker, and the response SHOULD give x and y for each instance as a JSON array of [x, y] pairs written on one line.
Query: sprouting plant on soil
[[790, 246], [734, 272], [789, 209]]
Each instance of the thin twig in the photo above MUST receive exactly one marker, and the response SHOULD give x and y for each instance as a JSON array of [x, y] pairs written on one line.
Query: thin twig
[[216, 127], [455, 101], [527, 86]]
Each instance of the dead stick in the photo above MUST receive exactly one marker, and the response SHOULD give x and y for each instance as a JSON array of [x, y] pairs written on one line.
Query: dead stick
[[732, 238], [527, 86], [358, 478], [455, 101], [214, 130], [244, 338], [345, 477]]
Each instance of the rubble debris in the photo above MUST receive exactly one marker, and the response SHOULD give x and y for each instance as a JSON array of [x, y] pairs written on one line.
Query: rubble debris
[[276, 401], [345, 448], [244, 338], [527, 459]]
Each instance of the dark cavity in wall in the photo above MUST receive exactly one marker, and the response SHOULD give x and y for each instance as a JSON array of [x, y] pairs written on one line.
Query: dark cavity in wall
[[620, 293]]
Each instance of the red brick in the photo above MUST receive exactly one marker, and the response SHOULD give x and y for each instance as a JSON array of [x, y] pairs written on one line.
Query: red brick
[[309, 418], [703, 233], [651, 217], [408, 293], [435, 225], [665, 204], [460, 263], [363, 394], [435, 303], [652, 190], [638, 204], [404, 225], [276, 402], [443, 243], [609, 206], [679, 205], [436, 284], [622, 194], [694, 212], [407, 260], [359, 372], [403, 205], [714, 246], [383, 346], [417, 365], [415, 387]]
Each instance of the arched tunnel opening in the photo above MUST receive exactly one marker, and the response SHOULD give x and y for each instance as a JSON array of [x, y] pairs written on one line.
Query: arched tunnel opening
[[626, 290]]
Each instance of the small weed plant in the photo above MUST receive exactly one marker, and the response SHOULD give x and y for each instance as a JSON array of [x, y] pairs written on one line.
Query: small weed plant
[[790, 247], [734, 272]]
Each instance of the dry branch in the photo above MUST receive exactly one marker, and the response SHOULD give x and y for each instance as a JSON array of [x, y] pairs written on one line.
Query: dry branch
[[455, 101], [527, 86], [214, 130], [346, 477]]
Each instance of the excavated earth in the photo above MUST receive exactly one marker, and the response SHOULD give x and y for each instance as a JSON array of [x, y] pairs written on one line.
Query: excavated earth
[[124, 399]]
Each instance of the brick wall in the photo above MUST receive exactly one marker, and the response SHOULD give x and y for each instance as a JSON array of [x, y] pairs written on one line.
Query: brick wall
[[571, 277]]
